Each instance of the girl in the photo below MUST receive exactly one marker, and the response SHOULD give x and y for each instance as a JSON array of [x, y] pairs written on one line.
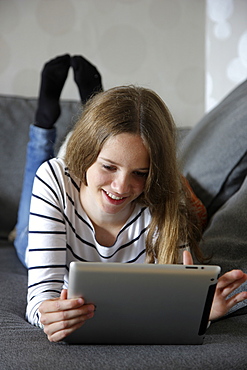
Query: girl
[[116, 196]]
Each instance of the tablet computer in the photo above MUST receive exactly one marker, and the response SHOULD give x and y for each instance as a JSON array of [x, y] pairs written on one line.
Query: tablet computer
[[143, 303]]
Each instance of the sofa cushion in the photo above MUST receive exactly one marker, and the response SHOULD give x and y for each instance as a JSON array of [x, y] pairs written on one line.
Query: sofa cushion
[[23, 346], [214, 154], [17, 113], [214, 159], [225, 239]]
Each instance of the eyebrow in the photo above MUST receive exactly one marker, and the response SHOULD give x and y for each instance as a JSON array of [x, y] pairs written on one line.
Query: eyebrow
[[117, 164]]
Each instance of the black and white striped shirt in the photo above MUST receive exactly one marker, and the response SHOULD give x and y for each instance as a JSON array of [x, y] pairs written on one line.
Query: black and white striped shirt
[[61, 232]]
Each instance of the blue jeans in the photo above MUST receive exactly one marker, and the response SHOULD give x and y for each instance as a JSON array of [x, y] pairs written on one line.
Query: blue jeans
[[40, 148]]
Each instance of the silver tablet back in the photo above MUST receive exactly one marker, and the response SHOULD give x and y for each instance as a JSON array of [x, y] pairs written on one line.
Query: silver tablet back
[[143, 303]]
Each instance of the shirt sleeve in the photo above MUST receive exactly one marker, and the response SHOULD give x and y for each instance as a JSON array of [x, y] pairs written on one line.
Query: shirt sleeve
[[46, 252]]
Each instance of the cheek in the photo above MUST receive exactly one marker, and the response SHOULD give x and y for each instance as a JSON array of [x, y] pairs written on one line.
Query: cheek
[[139, 186], [97, 178]]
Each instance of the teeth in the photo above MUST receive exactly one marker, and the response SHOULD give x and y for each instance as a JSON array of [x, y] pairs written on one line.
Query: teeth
[[113, 196]]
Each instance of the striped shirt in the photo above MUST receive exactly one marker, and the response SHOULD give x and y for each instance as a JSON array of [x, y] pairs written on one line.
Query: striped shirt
[[61, 232]]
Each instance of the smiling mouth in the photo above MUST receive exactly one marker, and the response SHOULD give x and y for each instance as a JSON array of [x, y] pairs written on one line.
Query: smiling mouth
[[112, 196]]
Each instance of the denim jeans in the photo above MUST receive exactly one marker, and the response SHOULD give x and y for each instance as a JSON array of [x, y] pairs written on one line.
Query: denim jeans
[[40, 148]]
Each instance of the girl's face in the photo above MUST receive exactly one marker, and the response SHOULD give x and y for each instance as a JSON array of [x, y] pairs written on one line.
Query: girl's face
[[117, 177]]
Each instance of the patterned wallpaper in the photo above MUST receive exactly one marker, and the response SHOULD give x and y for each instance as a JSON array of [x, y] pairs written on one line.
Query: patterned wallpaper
[[154, 43]]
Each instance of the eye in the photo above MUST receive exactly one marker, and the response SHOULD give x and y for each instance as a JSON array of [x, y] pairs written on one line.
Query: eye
[[141, 174], [108, 167]]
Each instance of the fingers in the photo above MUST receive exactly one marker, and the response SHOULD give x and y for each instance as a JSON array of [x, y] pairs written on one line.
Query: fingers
[[226, 285], [187, 258], [55, 335], [65, 312], [70, 321], [59, 305], [230, 281], [240, 297], [61, 316]]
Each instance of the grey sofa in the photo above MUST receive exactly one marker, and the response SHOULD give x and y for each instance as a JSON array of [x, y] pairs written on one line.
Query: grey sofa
[[213, 157]]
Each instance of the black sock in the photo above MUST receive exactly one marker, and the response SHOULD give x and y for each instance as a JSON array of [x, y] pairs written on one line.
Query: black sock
[[54, 75], [86, 76]]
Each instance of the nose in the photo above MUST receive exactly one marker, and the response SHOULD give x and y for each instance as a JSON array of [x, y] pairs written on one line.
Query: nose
[[121, 183]]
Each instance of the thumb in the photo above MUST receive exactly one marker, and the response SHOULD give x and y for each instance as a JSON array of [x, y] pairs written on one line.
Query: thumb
[[63, 294], [187, 258]]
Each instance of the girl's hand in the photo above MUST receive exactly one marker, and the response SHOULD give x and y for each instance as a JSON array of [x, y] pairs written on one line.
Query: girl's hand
[[226, 285], [61, 316], [187, 258]]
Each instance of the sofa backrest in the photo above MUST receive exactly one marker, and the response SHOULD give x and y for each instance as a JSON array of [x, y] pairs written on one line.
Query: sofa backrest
[[16, 115], [214, 154]]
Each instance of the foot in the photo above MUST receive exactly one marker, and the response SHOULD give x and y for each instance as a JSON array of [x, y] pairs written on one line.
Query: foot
[[53, 77], [86, 76]]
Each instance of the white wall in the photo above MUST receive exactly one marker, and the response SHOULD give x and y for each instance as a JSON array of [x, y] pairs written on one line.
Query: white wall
[[226, 57], [155, 43]]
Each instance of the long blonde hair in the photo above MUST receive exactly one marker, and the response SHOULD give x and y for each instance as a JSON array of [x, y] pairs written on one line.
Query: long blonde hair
[[136, 110]]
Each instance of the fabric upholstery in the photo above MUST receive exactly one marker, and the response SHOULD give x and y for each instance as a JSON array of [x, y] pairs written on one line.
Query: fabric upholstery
[[214, 154], [23, 346], [214, 159], [225, 239], [17, 113]]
